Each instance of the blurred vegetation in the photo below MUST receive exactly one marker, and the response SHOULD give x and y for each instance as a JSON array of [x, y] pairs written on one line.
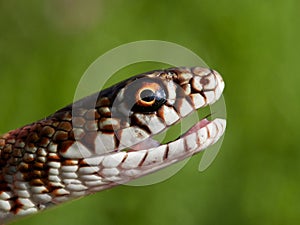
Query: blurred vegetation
[[45, 47]]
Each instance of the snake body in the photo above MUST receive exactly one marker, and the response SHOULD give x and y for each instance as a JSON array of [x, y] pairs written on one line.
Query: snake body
[[105, 139]]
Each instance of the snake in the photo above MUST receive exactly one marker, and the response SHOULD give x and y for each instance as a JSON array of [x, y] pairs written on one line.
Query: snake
[[106, 139]]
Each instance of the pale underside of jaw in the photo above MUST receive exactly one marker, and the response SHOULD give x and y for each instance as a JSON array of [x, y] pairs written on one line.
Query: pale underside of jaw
[[124, 166]]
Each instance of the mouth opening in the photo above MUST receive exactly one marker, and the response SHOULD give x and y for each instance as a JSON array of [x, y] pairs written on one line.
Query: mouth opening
[[180, 130]]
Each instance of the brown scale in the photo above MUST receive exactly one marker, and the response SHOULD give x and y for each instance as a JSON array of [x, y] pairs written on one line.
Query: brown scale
[[25, 149], [22, 150]]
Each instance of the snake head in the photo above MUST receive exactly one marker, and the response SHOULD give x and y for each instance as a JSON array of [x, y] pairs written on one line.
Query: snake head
[[149, 103]]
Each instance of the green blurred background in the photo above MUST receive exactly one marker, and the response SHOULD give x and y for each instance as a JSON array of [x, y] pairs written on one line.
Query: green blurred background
[[45, 47]]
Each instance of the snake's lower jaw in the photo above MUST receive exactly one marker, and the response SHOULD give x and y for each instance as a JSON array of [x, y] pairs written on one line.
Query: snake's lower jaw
[[137, 163]]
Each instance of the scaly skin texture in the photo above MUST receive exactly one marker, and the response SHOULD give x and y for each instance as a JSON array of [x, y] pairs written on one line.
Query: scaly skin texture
[[105, 139]]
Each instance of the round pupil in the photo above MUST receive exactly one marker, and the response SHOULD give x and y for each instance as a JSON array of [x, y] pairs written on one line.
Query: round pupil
[[147, 95]]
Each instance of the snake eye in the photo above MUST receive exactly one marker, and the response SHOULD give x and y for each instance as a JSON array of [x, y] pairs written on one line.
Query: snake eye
[[149, 97], [145, 95]]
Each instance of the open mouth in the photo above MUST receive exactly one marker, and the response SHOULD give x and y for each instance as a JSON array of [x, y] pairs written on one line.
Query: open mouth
[[199, 137], [215, 127]]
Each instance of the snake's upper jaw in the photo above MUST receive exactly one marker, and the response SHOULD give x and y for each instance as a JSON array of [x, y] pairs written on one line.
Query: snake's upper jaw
[[221, 84], [188, 90], [208, 86]]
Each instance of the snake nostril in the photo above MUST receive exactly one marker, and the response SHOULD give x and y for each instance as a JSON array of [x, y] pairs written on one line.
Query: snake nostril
[[204, 81]]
